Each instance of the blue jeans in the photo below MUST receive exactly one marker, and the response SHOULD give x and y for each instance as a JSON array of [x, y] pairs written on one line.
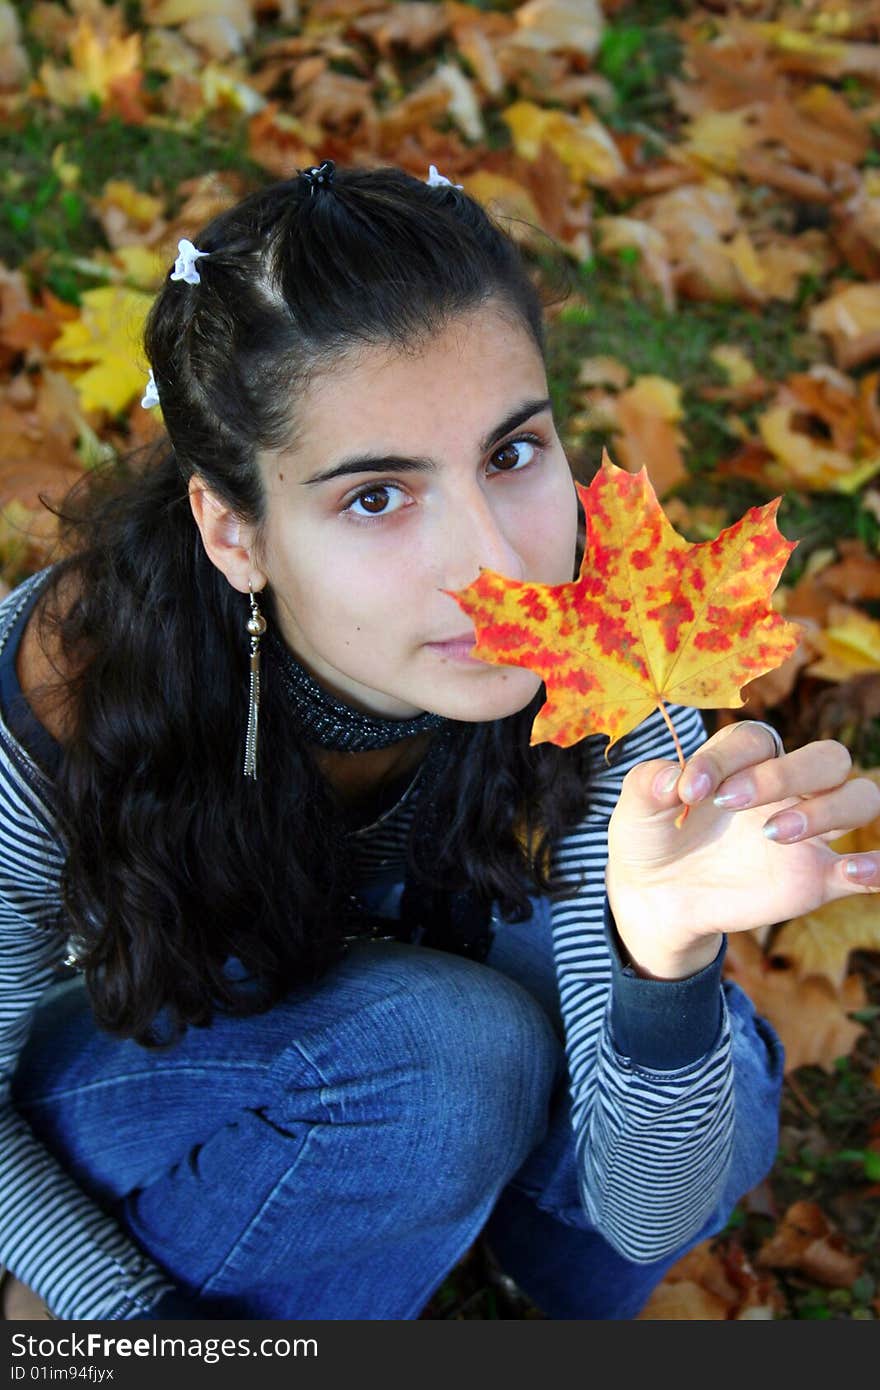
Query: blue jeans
[[335, 1157]]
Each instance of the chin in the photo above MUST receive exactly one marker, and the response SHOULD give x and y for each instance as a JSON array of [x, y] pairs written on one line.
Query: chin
[[510, 692]]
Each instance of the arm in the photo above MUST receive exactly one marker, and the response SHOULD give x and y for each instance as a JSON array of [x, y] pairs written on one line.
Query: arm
[[650, 1066], [52, 1236]]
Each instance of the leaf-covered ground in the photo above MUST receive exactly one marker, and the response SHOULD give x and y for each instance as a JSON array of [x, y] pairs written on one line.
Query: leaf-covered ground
[[699, 188]]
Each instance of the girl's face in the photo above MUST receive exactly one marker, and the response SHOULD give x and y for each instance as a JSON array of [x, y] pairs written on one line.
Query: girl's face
[[467, 472]]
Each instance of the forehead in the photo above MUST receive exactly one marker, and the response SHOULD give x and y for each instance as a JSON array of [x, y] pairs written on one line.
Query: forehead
[[458, 376]]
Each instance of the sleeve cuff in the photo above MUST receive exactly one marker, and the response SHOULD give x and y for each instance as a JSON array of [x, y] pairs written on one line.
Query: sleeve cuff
[[663, 1025]]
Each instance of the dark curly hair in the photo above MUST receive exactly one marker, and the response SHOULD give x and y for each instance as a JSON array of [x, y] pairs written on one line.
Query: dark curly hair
[[175, 861]]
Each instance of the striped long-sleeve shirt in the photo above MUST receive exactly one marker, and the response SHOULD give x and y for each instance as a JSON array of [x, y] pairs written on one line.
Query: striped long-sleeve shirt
[[650, 1068]]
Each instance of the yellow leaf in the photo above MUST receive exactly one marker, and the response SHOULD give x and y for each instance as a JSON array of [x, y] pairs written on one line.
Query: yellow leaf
[[718, 138], [582, 143], [820, 942], [142, 265], [140, 208], [508, 196], [655, 395], [97, 61], [734, 363], [808, 460], [108, 336], [850, 643]]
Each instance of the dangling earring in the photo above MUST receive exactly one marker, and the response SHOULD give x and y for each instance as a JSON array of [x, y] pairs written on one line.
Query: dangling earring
[[256, 626]]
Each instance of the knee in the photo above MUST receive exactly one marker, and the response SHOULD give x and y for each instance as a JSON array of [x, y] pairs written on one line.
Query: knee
[[442, 1068], [483, 1061]]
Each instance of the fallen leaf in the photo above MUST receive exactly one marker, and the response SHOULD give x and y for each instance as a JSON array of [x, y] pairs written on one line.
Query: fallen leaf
[[107, 337], [851, 319], [849, 643], [574, 26], [582, 142], [648, 435], [820, 942], [808, 1013], [96, 62], [807, 1241]]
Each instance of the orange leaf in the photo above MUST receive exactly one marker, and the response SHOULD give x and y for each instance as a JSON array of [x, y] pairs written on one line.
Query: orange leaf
[[650, 617]]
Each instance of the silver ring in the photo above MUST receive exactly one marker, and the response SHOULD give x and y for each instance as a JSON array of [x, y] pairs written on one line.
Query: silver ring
[[774, 734]]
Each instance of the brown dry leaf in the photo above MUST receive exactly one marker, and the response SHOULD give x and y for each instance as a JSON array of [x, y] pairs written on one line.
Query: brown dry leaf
[[711, 1282], [14, 62], [569, 26], [605, 371], [38, 439], [806, 1240], [278, 142], [505, 197], [615, 233], [818, 129], [128, 216], [648, 435], [421, 106], [856, 225], [809, 1014], [683, 1300], [856, 575], [851, 319], [820, 942], [343, 104], [411, 24]]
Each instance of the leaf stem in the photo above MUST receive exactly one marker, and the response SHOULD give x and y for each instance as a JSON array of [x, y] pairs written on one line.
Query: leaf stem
[[662, 708]]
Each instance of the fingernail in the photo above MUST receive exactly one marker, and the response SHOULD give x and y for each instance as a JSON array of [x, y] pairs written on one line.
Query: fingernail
[[666, 780], [696, 785], [786, 827], [861, 868], [738, 792]]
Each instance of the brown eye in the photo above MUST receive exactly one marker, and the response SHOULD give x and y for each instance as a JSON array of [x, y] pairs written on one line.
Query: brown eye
[[373, 502], [366, 499], [513, 456]]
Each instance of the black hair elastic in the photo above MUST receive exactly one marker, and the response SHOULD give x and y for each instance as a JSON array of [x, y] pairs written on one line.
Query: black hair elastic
[[320, 175]]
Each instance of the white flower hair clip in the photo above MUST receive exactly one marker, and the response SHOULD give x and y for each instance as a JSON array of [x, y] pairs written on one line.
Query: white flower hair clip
[[185, 265], [151, 395], [435, 179]]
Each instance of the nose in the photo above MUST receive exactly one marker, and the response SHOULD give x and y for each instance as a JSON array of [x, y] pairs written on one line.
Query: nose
[[476, 540]]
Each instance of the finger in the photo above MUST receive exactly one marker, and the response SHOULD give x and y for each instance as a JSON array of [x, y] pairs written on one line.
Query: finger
[[856, 803], [727, 752], [860, 872], [807, 771]]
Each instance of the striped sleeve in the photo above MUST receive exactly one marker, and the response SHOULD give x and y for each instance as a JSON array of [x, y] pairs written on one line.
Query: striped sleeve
[[52, 1236], [653, 1143]]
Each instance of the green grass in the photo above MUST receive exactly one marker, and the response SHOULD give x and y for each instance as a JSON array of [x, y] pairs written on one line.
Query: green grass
[[39, 216]]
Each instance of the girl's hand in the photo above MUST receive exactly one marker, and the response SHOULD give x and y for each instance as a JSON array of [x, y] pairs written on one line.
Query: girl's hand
[[674, 890]]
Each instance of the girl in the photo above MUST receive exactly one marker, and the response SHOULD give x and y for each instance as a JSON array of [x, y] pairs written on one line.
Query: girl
[[354, 974]]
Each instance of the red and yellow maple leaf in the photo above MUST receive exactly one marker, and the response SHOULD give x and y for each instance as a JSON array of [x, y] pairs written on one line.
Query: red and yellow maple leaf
[[650, 618]]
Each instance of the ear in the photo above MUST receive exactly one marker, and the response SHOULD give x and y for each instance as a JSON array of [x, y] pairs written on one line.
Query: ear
[[226, 539]]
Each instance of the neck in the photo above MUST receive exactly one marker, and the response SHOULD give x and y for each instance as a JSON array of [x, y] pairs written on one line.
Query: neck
[[360, 779]]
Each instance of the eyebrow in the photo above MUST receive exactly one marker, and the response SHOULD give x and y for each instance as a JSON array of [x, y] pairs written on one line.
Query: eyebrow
[[381, 463]]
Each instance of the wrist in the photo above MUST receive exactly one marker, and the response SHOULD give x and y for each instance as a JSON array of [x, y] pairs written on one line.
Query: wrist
[[651, 960]]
